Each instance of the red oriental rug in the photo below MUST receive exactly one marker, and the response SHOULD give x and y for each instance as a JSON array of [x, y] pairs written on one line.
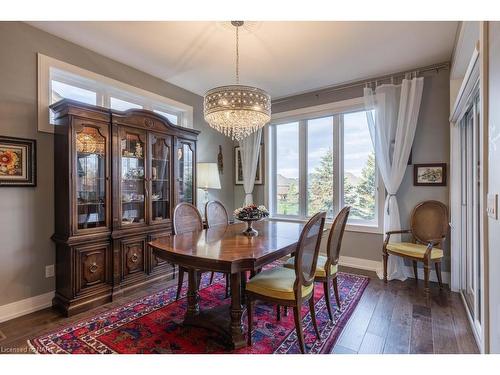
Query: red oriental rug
[[153, 324]]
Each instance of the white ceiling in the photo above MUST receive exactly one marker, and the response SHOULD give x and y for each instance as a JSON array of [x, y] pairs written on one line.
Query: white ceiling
[[283, 58]]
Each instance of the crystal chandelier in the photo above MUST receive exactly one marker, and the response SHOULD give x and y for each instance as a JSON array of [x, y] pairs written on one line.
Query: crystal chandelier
[[237, 110]]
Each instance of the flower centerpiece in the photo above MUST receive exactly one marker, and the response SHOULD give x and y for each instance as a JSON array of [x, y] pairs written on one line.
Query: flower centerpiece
[[249, 214]]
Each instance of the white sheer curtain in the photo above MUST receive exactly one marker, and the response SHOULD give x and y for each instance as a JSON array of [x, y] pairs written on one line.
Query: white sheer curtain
[[392, 130], [250, 147]]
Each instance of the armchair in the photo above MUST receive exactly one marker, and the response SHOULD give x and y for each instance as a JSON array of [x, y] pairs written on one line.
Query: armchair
[[428, 227]]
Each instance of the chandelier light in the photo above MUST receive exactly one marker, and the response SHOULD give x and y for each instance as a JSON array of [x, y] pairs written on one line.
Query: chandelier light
[[237, 110]]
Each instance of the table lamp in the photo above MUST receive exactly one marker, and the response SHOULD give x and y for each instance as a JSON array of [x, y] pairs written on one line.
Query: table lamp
[[207, 178]]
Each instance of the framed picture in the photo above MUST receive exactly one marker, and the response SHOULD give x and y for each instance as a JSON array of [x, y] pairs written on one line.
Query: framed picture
[[429, 174], [17, 162], [238, 173]]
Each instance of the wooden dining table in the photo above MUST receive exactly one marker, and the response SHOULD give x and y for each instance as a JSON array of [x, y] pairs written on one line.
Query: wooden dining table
[[226, 249]]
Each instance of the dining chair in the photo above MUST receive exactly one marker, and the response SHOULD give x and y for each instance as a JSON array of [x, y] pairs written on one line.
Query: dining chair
[[428, 228], [186, 219], [290, 287], [216, 215], [327, 267]]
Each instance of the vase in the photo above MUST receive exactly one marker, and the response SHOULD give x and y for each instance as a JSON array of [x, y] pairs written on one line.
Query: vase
[[250, 231]]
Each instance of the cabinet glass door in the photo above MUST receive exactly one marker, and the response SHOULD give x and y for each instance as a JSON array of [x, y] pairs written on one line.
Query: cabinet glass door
[[90, 177], [160, 178], [133, 180], [185, 160]]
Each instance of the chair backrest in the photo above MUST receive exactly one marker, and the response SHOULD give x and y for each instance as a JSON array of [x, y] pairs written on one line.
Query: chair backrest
[[306, 254], [335, 237], [186, 218], [429, 220], [215, 214]]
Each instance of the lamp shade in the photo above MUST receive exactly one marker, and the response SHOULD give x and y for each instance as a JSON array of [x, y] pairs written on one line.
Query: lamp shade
[[207, 176]]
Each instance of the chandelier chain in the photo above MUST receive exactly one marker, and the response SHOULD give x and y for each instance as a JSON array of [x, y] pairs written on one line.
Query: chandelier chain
[[237, 55]]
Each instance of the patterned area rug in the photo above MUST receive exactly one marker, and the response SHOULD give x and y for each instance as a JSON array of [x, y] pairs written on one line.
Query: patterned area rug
[[153, 324]]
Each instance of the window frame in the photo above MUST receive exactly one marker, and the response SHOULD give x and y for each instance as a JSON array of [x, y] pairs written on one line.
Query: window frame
[[335, 109], [52, 69]]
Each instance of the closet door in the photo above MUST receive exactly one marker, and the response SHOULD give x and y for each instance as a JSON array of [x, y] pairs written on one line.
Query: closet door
[[470, 249]]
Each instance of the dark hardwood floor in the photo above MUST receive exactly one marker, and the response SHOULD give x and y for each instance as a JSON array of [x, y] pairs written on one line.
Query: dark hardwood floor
[[391, 318], [398, 318]]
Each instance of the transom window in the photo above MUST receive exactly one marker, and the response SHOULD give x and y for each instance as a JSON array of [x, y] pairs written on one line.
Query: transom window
[[323, 163], [65, 85], [62, 80]]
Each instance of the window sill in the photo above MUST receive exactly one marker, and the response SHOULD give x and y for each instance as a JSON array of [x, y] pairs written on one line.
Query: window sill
[[349, 227], [363, 229]]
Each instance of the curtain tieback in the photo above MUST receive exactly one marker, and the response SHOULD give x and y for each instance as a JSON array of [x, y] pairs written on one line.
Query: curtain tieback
[[388, 205]]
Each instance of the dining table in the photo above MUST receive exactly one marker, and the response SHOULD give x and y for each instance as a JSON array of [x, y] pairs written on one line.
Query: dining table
[[225, 249]]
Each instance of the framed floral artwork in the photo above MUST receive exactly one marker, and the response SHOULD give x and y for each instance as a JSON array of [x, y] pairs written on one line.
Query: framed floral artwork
[[429, 174], [17, 162]]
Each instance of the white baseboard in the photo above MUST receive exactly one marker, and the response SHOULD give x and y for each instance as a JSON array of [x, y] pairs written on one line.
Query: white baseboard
[[376, 266], [25, 306], [362, 264], [444, 274]]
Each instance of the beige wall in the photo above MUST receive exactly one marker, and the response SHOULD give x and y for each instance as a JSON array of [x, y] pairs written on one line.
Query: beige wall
[[27, 214], [431, 144]]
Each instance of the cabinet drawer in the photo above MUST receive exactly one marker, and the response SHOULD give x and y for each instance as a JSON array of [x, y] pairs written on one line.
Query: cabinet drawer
[[92, 266], [133, 256]]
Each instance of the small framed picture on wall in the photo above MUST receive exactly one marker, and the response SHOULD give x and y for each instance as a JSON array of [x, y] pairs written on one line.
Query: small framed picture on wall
[[17, 162], [433, 174], [238, 173]]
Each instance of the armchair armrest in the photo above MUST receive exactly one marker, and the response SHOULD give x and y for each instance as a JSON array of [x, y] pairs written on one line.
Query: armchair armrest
[[388, 235], [431, 243], [398, 231], [434, 241]]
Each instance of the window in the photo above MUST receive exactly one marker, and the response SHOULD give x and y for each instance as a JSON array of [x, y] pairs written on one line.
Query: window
[[172, 118], [123, 105], [359, 172], [62, 90], [61, 80], [320, 166], [287, 169], [330, 157]]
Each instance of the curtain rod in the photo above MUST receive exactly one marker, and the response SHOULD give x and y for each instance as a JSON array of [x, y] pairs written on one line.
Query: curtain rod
[[370, 81]]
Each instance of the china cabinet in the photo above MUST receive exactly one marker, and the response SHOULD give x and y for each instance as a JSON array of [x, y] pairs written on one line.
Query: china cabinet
[[117, 179]]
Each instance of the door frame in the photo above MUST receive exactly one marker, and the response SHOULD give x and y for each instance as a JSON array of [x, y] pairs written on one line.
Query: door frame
[[472, 85]]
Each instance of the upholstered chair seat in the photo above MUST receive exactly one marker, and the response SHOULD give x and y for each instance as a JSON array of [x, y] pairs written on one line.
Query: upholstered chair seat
[[276, 283], [414, 250]]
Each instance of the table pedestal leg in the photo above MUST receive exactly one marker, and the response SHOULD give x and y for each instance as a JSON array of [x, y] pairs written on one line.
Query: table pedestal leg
[[192, 294], [243, 287], [236, 311], [224, 319]]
